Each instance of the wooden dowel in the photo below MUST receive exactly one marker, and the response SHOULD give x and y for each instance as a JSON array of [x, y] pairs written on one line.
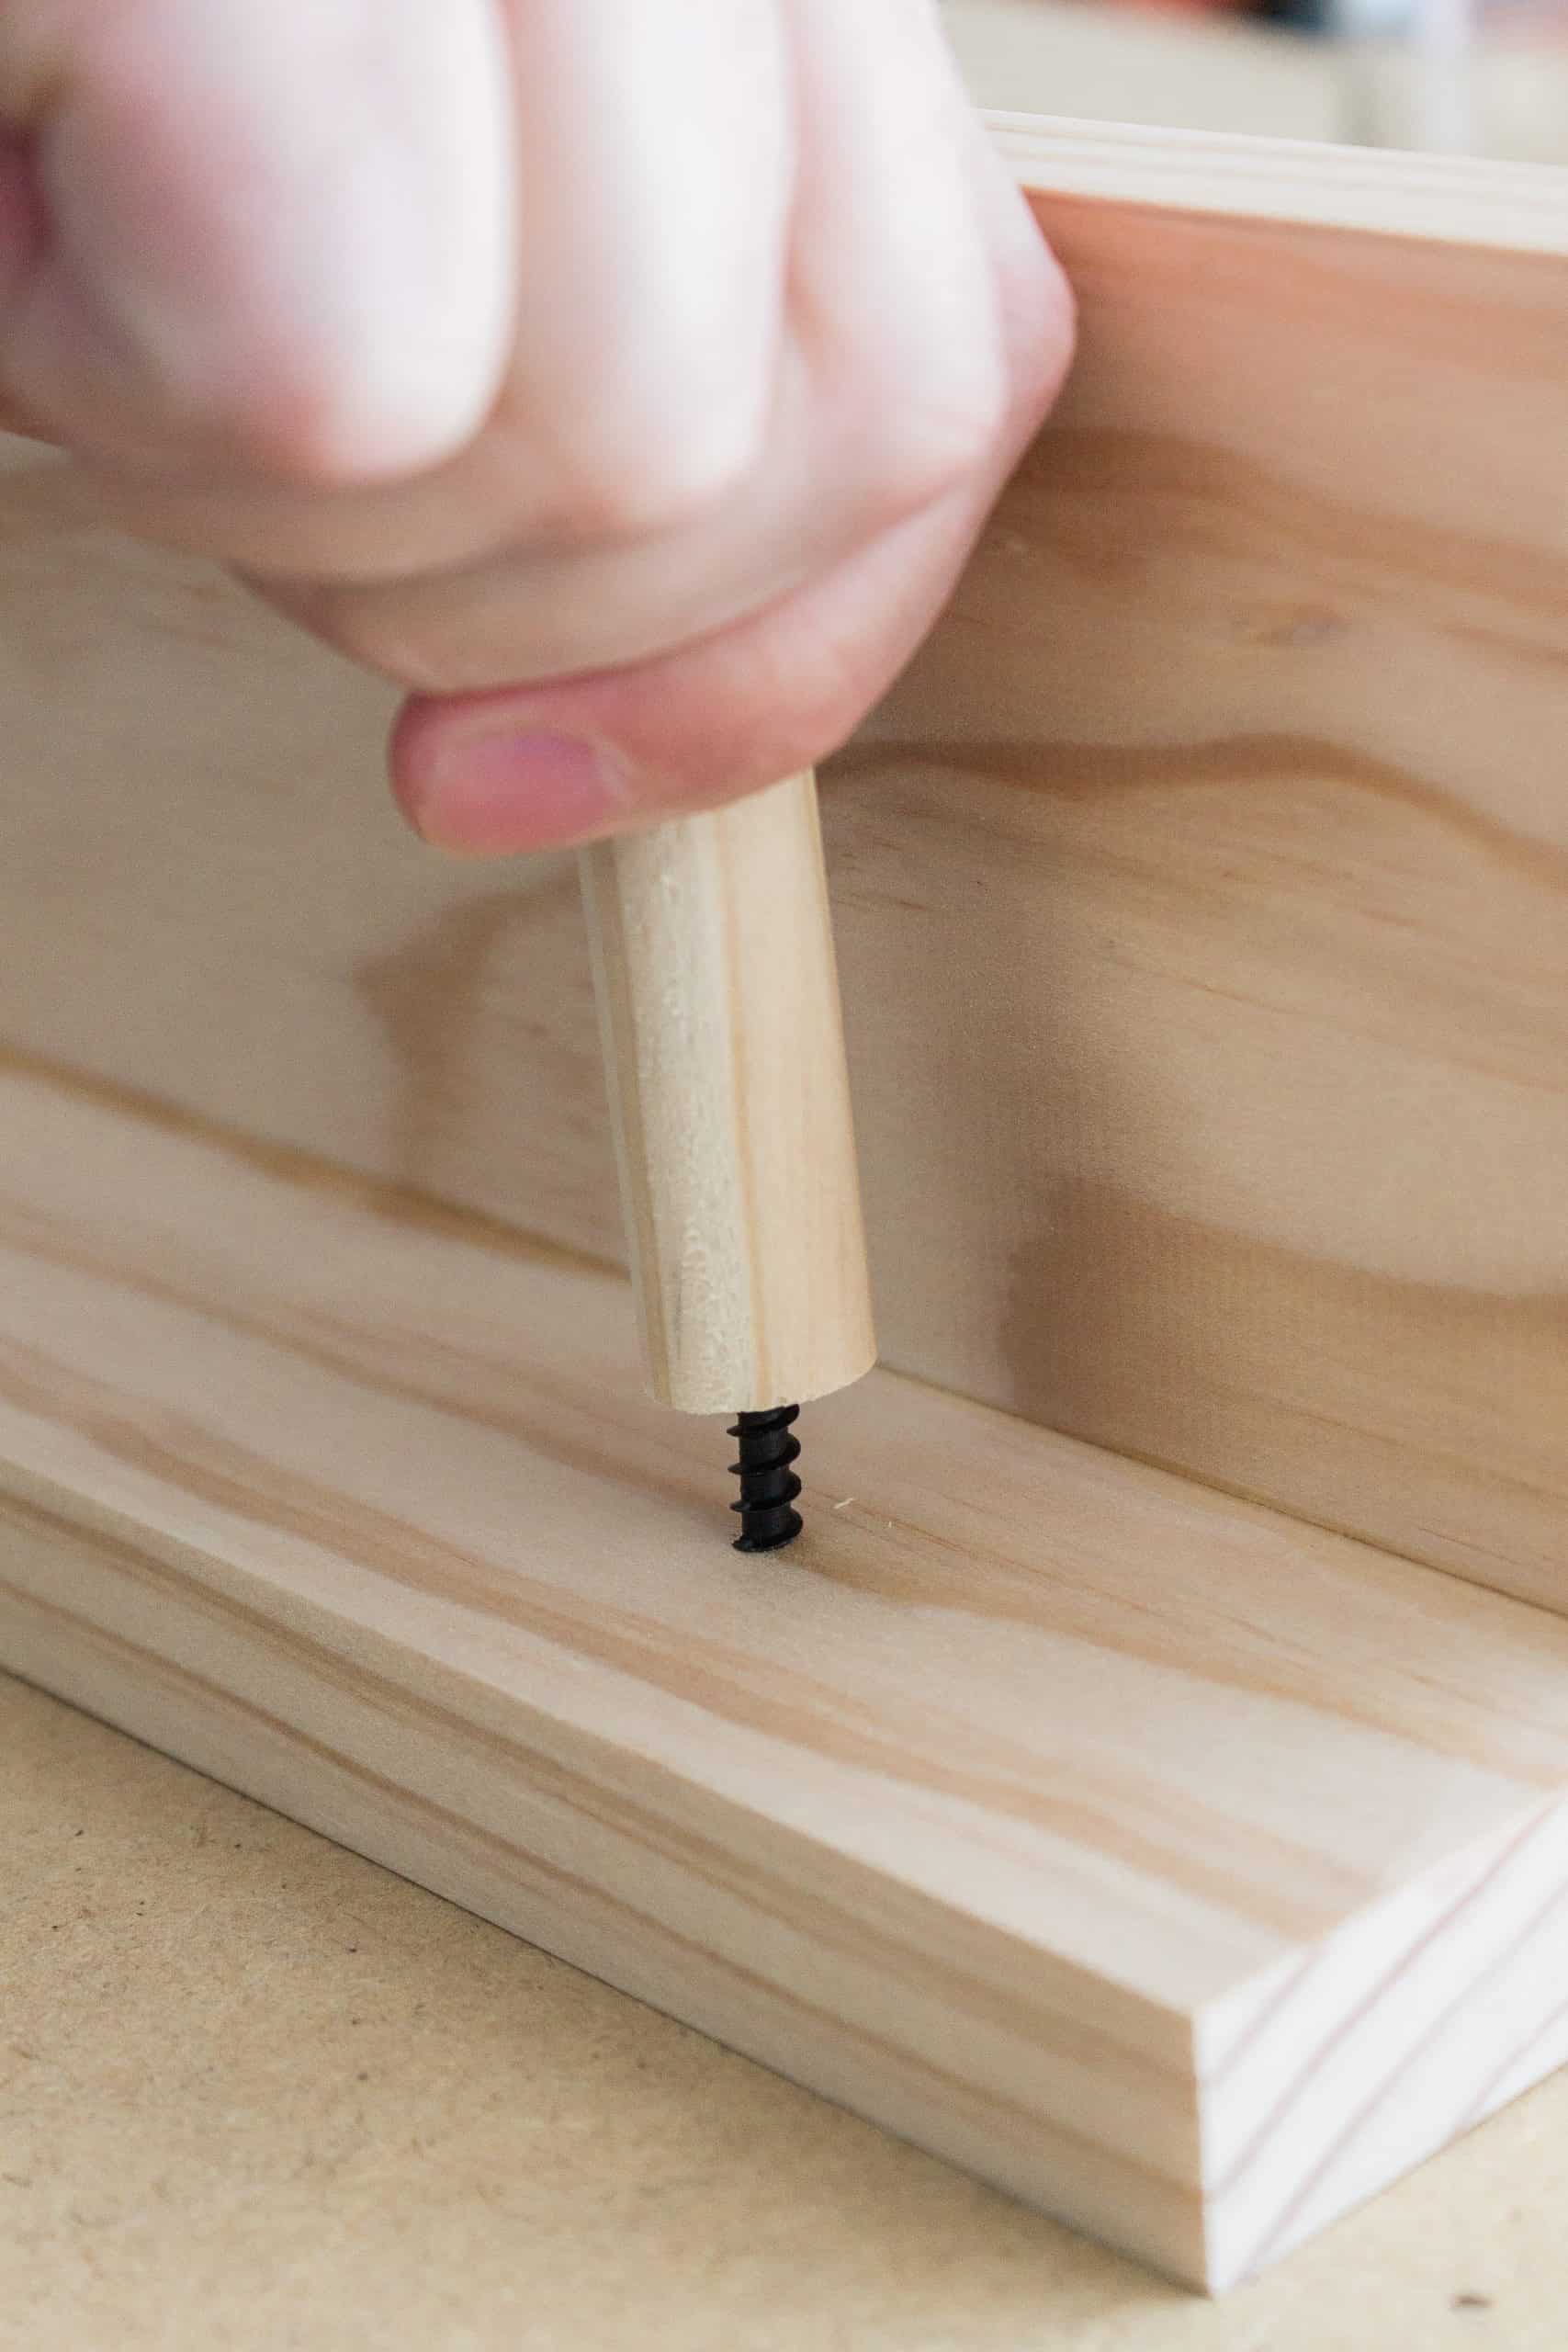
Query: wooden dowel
[[718, 1005]]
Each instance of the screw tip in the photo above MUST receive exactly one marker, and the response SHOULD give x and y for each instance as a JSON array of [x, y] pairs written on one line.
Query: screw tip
[[785, 1533]]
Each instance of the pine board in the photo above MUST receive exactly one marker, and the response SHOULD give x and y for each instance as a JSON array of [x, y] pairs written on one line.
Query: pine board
[[1210, 865], [1200, 890], [1180, 1867]]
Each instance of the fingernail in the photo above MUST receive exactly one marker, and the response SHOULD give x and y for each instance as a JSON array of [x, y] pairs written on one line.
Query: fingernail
[[496, 794]]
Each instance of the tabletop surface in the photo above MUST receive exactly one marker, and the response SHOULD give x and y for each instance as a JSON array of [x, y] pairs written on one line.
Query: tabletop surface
[[260, 2096]]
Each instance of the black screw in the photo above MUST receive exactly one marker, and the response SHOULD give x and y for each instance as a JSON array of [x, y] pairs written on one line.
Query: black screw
[[768, 1484]]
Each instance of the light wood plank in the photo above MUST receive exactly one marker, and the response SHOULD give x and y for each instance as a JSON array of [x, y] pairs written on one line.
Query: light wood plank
[[1178, 1867], [1440, 200], [1231, 796], [1200, 890]]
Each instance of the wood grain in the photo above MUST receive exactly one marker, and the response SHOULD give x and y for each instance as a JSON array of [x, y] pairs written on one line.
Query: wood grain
[[723, 1044], [1201, 892], [1244, 733], [1180, 1868]]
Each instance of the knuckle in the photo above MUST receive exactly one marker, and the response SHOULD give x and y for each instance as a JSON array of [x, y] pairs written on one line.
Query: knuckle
[[324, 428], [1044, 330], [369, 628], [299, 440], [940, 439], [658, 481]]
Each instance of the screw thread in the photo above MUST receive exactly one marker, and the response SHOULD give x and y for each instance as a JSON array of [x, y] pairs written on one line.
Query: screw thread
[[768, 1484]]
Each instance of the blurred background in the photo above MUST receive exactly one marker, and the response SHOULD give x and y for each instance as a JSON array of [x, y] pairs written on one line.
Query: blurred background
[[1483, 77]]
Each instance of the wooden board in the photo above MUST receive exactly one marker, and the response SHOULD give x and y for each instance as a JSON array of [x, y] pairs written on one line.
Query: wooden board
[[1201, 891], [1174, 1865], [1210, 867]]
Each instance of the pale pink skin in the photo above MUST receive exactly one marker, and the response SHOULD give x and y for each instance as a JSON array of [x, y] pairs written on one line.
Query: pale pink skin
[[627, 380]]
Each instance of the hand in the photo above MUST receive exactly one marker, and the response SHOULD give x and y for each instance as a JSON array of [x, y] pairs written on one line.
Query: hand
[[629, 381]]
